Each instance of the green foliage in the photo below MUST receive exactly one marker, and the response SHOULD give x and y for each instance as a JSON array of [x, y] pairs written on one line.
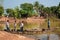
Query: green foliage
[[59, 3], [17, 12], [47, 10], [1, 10], [58, 11], [27, 9], [53, 9], [27, 6], [10, 12], [36, 6], [23, 13]]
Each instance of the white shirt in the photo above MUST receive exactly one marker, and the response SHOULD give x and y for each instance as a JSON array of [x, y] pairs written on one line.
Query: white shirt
[[7, 24], [15, 24], [21, 25]]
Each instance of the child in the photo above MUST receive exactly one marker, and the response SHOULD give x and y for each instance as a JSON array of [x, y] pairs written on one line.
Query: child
[[48, 24], [7, 25], [21, 26], [15, 25]]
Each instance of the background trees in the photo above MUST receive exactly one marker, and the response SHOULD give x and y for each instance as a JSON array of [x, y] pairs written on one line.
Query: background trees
[[58, 10], [36, 6], [10, 12], [17, 12], [28, 10], [1, 10]]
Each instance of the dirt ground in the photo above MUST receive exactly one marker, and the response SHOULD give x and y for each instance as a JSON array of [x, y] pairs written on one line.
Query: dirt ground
[[8, 36], [28, 20]]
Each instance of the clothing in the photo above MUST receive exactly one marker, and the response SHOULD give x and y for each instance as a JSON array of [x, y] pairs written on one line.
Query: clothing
[[48, 24], [7, 26], [21, 27], [14, 26]]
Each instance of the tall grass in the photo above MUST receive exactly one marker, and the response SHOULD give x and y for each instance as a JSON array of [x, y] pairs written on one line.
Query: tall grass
[[54, 23]]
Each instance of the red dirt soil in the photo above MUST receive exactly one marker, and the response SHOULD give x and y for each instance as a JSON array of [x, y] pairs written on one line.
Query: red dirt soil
[[28, 20], [8, 36]]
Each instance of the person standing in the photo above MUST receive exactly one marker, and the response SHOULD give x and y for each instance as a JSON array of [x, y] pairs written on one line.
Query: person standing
[[7, 26], [21, 26], [15, 25], [48, 24]]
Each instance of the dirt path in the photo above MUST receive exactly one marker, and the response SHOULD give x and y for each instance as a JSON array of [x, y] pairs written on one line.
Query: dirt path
[[8, 36]]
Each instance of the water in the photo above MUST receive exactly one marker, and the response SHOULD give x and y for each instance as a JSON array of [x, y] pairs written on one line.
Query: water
[[45, 37], [53, 37]]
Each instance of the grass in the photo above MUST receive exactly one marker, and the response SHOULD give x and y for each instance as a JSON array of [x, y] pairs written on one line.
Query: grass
[[31, 26], [54, 23], [1, 28]]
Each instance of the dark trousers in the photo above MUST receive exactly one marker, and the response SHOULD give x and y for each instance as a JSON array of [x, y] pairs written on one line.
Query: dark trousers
[[48, 26], [21, 29], [7, 29], [14, 28]]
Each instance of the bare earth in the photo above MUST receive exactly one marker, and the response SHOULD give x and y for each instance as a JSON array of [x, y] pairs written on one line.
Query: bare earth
[[8, 36], [28, 20]]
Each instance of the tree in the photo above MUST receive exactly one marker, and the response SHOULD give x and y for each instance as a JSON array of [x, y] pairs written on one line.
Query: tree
[[59, 4], [27, 8], [23, 13], [17, 12], [36, 6], [10, 12], [58, 10], [1, 10]]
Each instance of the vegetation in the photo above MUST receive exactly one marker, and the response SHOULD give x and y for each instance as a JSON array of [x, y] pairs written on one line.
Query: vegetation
[[1, 10], [28, 10]]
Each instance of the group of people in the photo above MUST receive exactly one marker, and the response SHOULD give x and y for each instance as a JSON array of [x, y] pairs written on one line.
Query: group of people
[[21, 25]]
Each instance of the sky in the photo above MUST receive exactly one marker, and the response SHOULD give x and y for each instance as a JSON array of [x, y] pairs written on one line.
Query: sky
[[14, 3]]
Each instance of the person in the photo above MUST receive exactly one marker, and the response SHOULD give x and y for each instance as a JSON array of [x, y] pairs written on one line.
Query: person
[[7, 26], [48, 24], [15, 25], [21, 26]]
